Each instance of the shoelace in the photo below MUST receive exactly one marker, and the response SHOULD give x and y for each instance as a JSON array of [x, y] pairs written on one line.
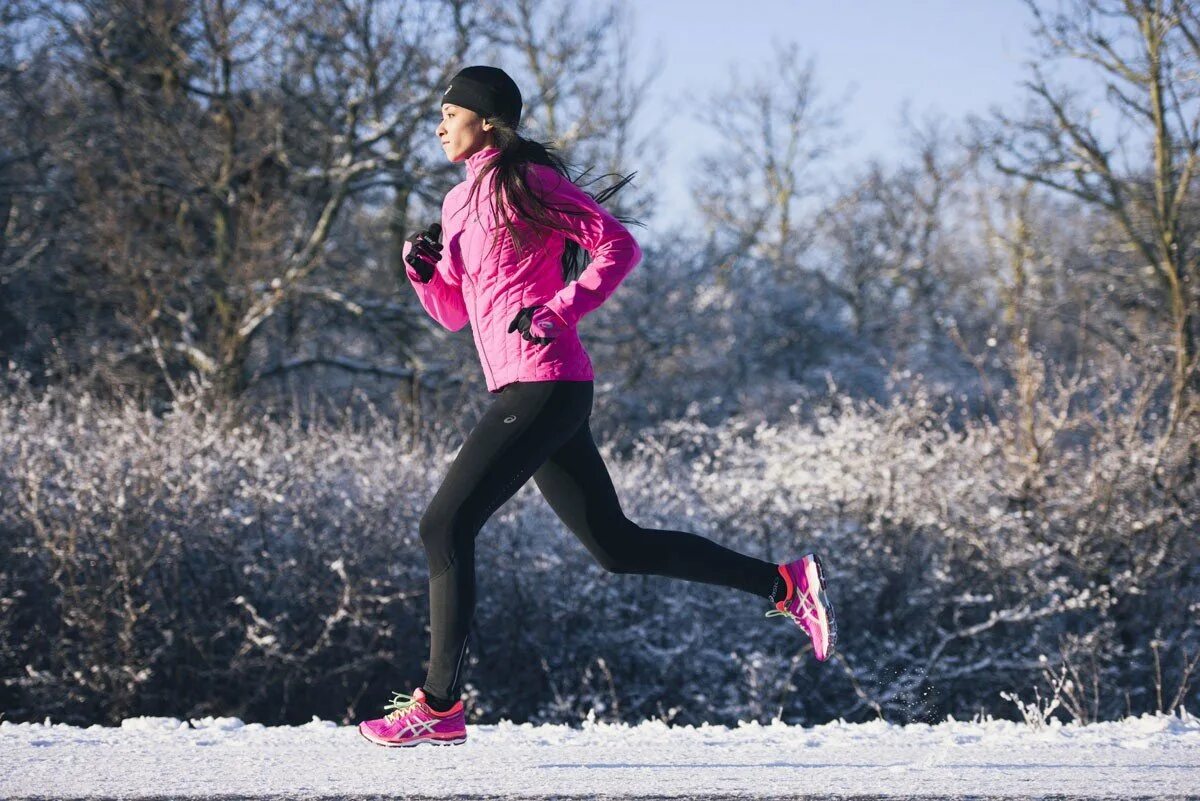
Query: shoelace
[[399, 706], [806, 605]]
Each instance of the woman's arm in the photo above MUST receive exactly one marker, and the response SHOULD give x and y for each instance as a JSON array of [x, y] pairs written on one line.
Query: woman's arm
[[613, 249], [442, 295]]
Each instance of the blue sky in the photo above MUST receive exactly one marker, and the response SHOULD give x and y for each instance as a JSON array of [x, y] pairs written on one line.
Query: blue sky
[[945, 56]]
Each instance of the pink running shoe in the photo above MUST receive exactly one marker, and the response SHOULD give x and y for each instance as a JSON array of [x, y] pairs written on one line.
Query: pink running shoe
[[806, 603], [413, 721]]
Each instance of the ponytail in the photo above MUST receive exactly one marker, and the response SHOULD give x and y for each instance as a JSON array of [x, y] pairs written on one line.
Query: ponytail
[[515, 152]]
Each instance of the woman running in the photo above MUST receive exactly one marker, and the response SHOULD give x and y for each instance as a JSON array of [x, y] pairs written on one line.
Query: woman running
[[504, 258]]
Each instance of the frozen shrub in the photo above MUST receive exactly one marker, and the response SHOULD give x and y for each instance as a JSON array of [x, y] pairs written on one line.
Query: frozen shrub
[[189, 563]]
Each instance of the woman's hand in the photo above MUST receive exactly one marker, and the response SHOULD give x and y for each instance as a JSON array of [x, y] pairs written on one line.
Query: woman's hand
[[534, 320], [426, 252]]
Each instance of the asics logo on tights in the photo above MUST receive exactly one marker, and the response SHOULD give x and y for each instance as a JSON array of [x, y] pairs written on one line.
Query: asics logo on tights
[[510, 418]]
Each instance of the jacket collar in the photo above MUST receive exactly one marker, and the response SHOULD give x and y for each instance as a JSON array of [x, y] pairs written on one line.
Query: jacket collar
[[479, 159]]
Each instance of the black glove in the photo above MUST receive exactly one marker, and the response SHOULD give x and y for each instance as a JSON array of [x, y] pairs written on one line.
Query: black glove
[[426, 252], [522, 322]]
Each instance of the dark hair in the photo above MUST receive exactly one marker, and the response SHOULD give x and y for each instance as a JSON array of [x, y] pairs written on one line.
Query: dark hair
[[509, 164]]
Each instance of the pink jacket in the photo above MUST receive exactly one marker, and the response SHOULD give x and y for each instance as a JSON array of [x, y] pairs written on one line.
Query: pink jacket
[[488, 289]]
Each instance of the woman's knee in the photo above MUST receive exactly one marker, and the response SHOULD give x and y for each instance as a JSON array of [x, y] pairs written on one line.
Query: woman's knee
[[443, 534], [620, 548]]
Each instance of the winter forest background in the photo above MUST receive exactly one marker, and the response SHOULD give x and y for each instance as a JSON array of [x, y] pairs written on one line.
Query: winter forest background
[[970, 379]]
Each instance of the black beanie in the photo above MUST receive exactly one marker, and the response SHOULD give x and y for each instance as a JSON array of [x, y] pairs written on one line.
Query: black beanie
[[487, 91]]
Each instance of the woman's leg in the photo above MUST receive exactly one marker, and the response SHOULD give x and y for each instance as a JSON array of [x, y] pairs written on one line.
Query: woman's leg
[[577, 486], [524, 425]]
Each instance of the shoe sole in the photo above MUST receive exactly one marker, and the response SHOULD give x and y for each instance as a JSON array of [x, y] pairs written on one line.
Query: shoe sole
[[826, 605], [414, 741]]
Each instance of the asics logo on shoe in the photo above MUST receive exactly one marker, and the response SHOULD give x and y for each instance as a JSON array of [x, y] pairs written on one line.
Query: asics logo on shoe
[[416, 727], [806, 605]]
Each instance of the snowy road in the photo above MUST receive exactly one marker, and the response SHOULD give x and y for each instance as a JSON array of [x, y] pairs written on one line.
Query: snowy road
[[1147, 757]]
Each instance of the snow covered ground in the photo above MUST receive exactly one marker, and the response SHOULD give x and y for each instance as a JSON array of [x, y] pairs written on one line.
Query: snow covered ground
[[1151, 756]]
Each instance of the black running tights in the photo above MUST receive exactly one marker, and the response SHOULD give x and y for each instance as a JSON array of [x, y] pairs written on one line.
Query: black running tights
[[540, 429]]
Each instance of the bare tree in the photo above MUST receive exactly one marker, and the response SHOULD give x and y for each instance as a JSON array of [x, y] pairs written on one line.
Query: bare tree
[[893, 266], [1147, 52], [760, 196], [34, 209], [773, 131], [240, 129], [244, 172]]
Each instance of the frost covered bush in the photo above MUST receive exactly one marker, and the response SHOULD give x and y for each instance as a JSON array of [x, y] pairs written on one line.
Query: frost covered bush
[[193, 564], [966, 555]]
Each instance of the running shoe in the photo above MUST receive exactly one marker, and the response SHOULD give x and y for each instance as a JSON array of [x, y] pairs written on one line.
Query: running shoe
[[807, 604], [413, 721]]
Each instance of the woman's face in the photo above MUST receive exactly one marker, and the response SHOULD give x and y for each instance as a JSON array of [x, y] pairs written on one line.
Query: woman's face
[[462, 132]]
